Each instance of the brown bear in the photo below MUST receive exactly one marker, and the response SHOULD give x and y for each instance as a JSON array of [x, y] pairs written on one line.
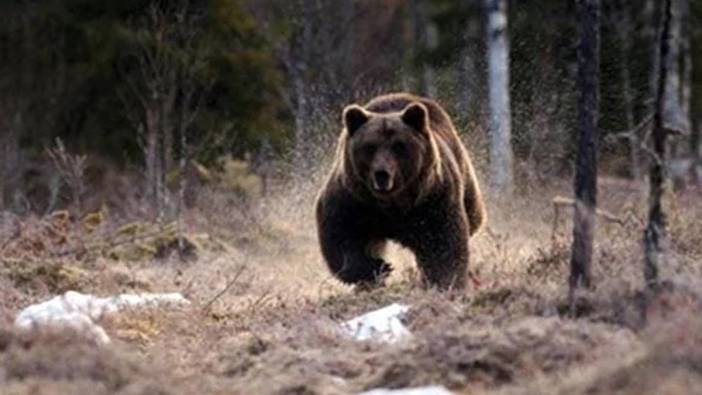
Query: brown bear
[[401, 173]]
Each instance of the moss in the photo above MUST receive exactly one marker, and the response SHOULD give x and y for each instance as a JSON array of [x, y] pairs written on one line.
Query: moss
[[151, 241], [58, 278], [140, 328], [236, 176], [92, 221]]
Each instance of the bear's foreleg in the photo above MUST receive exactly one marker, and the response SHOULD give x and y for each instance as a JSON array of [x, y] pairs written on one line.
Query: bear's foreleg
[[349, 253], [348, 259], [442, 253]]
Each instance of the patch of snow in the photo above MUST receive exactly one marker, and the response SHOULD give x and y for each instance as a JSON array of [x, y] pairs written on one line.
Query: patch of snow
[[80, 311], [431, 390], [383, 325]]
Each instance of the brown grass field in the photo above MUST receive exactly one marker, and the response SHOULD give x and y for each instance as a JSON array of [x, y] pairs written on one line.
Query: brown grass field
[[265, 310]]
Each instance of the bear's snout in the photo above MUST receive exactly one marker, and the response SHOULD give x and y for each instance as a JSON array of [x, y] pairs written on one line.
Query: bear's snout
[[382, 181]]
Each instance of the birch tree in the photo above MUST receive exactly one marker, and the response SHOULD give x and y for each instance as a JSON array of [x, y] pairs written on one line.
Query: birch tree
[[655, 232], [584, 221], [686, 55], [674, 117], [689, 147], [500, 127]]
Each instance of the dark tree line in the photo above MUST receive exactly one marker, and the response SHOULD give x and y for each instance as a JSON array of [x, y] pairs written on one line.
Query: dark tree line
[[144, 83]]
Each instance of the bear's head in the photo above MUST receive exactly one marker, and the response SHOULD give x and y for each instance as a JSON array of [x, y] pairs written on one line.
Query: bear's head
[[386, 153]]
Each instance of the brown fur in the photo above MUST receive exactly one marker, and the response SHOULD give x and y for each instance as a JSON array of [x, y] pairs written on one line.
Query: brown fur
[[401, 173]]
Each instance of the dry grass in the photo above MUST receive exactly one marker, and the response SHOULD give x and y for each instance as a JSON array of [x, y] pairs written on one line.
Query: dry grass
[[62, 363], [273, 329]]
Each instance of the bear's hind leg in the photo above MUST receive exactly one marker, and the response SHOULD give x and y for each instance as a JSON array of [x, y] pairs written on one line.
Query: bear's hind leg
[[444, 271]]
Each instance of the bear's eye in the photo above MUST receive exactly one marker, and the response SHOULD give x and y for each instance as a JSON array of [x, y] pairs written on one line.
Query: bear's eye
[[399, 148]]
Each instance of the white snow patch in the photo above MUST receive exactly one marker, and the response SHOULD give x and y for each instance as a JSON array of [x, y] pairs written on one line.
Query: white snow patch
[[431, 390], [383, 325], [80, 311]]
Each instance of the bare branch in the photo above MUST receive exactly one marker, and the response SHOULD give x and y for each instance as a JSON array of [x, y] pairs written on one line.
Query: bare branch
[[627, 134], [561, 201], [230, 284]]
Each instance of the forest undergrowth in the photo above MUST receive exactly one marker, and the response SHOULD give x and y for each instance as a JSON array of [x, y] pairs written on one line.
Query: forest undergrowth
[[265, 311]]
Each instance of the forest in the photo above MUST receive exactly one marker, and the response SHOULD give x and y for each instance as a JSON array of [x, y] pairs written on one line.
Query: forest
[[155, 147]]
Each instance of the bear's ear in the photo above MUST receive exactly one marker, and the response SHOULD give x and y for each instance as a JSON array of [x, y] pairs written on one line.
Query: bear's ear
[[354, 117], [415, 115]]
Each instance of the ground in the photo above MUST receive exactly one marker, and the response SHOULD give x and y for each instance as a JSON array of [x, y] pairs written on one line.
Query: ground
[[265, 310]]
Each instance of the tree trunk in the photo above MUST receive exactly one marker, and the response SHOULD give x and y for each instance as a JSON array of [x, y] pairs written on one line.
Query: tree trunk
[[695, 101], [586, 168], [3, 178], [624, 30], [651, 34], [673, 117], [298, 63], [183, 184], [428, 74], [426, 38], [168, 118], [696, 149], [466, 87], [9, 145], [655, 232], [499, 98], [302, 123], [264, 166], [466, 73], [686, 93], [152, 156], [167, 150], [686, 49]]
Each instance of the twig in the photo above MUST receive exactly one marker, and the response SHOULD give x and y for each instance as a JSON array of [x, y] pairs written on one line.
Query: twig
[[560, 201], [554, 227], [230, 284], [564, 201], [652, 154], [627, 134], [260, 300]]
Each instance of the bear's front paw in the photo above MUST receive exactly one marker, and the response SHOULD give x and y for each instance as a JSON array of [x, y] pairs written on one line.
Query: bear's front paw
[[381, 271]]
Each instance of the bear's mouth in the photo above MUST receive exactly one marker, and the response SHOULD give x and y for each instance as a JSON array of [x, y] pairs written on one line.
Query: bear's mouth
[[381, 191], [382, 183]]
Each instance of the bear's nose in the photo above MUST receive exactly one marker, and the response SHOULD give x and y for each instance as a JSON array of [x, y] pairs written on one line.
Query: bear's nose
[[382, 181]]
